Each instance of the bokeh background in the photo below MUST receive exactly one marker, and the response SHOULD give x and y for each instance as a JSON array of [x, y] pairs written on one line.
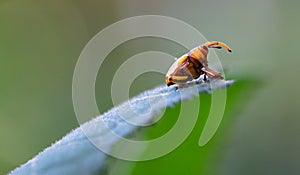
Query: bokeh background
[[40, 42]]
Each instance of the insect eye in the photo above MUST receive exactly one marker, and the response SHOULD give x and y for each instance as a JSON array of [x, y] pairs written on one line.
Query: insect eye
[[204, 47]]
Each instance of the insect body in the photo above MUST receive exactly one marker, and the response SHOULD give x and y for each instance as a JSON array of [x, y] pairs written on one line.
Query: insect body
[[193, 64]]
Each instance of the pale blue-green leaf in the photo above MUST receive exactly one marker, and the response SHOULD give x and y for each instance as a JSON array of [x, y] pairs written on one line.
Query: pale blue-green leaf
[[75, 154]]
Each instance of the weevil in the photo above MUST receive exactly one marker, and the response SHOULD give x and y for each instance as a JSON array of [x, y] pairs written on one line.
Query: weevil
[[194, 64]]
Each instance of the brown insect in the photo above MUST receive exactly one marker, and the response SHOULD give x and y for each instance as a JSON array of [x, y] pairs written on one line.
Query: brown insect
[[194, 64]]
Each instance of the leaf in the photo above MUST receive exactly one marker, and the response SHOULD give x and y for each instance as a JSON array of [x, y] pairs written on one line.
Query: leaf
[[76, 154]]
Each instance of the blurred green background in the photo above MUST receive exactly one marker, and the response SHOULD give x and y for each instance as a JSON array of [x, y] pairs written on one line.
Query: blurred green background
[[40, 42]]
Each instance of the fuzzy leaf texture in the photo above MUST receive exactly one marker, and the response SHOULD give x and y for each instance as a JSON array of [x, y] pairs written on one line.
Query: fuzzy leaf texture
[[75, 154]]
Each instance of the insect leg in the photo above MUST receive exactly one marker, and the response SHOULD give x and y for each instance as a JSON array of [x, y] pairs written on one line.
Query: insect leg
[[211, 73], [179, 78], [205, 78], [207, 72]]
